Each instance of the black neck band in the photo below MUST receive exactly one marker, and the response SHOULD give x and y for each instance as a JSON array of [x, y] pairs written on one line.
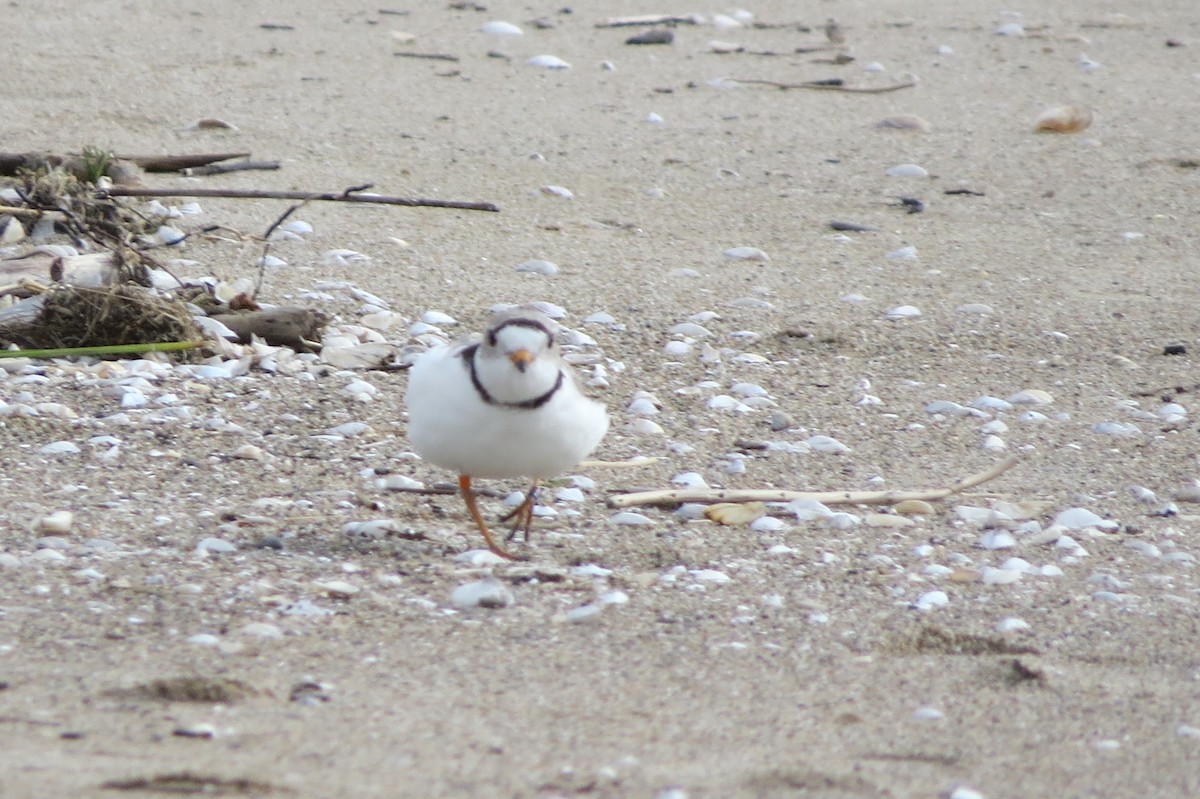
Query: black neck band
[[468, 356]]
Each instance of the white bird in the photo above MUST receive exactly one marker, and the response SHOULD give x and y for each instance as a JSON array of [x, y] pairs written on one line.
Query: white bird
[[502, 407]]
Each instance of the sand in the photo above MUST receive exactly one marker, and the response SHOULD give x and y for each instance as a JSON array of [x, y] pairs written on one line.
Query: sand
[[808, 672]]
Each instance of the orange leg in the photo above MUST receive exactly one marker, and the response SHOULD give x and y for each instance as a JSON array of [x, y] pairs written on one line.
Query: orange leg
[[464, 484], [522, 515]]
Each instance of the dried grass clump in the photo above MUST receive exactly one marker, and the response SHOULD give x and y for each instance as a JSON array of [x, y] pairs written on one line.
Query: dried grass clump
[[74, 316]]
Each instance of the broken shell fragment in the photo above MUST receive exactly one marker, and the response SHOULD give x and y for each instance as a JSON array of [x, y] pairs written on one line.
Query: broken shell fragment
[[1063, 119]]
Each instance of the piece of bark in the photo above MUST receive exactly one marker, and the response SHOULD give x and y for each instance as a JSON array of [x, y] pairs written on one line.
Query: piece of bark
[[90, 269], [298, 328]]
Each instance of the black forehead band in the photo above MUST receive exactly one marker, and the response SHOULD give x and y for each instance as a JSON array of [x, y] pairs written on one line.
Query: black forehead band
[[518, 321]]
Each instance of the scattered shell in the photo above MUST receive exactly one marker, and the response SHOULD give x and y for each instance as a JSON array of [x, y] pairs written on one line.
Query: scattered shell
[[901, 312], [1063, 119], [908, 171], [58, 522], [930, 600], [735, 513], [914, 507], [908, 253], [746, 254], [904, 122], [548, 62], [1079, 518], [500, 28], [486, 593], [630, 518], [1011, 624], [558, 191], [1031, 396], [1010, 29], [538, 267]]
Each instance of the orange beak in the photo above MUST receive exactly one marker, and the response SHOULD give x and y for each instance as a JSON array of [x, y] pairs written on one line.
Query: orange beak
[[521, 359]]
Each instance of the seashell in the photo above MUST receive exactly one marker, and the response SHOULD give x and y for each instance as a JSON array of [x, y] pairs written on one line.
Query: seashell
[[997, 539], [599, 318], [1063, 119], [341, 257], [901, 312], [558, 191], [57, 522], [978, 308], [914, 507], [645, 427], [1116, 429], [486, 593], [710, 576], [169, 235], [500, 28], [767, 524], [724, 22], [297, 226], [873, 66], [1009, 29], [907, 171], [887, 521], [690, 329], [908, 253], [735, 513], [363, 356], [990, 575], [1079, 518], [827, 445], [677, 349], [336, 589], [628, 517], [745, 254], [538, 267], [548, 62], [1031, 396], [689, 480], [930, 600], [60, 448], [993, 443], [904, 122]]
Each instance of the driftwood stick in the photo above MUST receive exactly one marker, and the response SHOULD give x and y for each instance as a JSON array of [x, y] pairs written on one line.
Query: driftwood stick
[[830, 87], [236, 166], [174, 163], [647, 19], [264, 194], [706, 496]]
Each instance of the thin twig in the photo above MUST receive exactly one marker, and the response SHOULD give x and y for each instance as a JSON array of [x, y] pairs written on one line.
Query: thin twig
[[265, 194], [430, 56], [830, 87], [679, 497], [262, 261]]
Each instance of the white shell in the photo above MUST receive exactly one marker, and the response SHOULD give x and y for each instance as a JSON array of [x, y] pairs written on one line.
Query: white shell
[[746, 254], [903, 312], [486, 593], [548, 62], [501, 28], [907, 171], [538, 267]]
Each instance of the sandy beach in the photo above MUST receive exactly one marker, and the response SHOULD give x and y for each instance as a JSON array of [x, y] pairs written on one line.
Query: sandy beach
[[1033, 636]]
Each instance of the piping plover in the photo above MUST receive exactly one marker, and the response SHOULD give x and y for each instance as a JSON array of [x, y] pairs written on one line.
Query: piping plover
[[504, 406]]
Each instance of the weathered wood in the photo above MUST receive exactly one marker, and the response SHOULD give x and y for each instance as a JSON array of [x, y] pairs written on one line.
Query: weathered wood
[[298, 328]]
